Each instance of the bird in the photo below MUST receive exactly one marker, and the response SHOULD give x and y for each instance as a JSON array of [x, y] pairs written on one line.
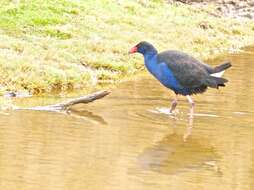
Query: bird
[[180, 72]]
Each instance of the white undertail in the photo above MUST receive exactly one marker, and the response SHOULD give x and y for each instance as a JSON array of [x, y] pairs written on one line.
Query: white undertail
[[219, 74]]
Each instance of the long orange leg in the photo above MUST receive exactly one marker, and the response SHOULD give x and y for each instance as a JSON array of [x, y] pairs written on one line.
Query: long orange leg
[[192, 105], [173, 105]]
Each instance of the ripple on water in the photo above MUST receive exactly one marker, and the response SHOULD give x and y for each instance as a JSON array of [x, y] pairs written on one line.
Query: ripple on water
[[161, 110]]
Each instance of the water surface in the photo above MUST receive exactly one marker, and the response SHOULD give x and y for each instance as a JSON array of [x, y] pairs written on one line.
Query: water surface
[[128, 141]]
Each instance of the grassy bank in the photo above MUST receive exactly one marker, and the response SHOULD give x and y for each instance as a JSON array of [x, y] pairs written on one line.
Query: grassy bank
[[64, 44]]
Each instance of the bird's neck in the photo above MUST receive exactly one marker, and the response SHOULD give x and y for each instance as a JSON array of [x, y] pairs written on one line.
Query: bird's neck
[[149, 56], [151, 62]]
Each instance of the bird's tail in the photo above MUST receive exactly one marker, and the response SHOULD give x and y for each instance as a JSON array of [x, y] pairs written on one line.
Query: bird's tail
[[222, 67], [216, 82], [219, 70]]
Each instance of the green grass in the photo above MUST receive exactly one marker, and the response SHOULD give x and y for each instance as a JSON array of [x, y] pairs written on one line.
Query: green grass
[[67, 44]]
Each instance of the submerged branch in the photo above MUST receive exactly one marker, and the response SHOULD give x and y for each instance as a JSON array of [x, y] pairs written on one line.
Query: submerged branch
[[66, 105]]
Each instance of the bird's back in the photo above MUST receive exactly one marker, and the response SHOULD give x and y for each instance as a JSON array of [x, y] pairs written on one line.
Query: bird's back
[[182, 60], [188, 71]]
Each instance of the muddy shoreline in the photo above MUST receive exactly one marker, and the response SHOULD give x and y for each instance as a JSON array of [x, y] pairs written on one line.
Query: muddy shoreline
[[228, 8]]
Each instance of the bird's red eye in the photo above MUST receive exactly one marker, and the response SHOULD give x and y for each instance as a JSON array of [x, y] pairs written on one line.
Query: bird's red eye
[[133, 50]]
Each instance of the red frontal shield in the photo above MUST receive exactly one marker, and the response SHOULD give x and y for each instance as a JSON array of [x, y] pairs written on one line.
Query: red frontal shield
[[133, 50]]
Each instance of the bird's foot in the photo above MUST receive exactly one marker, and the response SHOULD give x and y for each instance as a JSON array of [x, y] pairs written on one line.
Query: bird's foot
[[174, 112]]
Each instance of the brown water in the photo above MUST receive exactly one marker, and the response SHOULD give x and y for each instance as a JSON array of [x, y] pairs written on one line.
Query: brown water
[[128, 141]]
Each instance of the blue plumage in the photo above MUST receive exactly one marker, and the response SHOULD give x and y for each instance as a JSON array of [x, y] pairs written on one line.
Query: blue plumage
[[161, 72]]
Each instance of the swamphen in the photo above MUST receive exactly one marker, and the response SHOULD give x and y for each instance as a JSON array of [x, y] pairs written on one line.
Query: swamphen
[[180, 72]]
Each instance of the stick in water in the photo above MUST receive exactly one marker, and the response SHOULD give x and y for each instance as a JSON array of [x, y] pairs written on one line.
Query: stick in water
[[66, 105]]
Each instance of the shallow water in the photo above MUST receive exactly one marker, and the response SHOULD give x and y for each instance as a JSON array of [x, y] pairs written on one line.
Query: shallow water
[[128, 141]]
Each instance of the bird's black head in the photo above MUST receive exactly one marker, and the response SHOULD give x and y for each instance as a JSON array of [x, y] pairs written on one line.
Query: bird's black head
[[143, 48]]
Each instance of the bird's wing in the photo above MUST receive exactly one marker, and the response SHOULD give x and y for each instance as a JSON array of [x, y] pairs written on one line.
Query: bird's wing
[[188, 71]]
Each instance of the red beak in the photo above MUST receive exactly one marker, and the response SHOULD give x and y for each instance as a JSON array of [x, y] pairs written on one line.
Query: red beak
[[133, 50]]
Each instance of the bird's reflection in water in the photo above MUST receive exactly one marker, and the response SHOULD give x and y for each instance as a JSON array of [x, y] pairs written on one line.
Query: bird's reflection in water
[[178, 152], [87, 115], [189, 129]]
